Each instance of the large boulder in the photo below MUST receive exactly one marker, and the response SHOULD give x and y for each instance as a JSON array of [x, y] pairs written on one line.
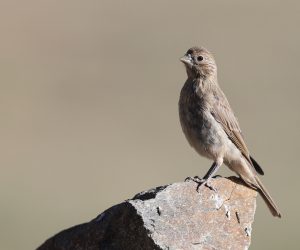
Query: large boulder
[[175, 216]]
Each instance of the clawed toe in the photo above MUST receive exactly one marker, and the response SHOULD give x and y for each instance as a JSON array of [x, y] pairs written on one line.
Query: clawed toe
[[196, 179], [206, 184], [200, 182], [210, 187]]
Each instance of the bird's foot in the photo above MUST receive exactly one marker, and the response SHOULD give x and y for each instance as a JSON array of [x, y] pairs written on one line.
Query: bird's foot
[[194, 179], [200, 182], [206, 184]]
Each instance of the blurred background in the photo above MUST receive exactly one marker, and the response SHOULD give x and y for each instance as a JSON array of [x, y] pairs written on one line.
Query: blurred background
[[89, 93]]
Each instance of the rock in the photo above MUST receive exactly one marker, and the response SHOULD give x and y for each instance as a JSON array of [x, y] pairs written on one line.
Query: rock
[[175, 216]]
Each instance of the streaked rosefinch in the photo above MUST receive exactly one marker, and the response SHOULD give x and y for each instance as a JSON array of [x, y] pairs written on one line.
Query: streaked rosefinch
[[210, 126]]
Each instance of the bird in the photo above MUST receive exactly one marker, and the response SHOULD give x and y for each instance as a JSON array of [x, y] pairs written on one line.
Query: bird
[[210, 126]]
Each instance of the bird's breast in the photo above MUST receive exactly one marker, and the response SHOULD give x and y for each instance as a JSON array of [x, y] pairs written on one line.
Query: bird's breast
[[202, 131]]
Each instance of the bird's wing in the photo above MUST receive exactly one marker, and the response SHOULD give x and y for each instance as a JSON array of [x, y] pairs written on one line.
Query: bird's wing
[[222, 112]]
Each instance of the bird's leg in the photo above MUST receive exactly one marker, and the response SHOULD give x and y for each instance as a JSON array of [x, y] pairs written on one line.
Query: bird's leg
[[200, 181], [213, 169]]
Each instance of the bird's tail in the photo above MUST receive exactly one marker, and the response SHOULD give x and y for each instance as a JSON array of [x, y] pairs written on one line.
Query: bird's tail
[[267, 198]]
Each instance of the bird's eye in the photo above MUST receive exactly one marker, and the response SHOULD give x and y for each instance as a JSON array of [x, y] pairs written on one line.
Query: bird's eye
[[200, 58]]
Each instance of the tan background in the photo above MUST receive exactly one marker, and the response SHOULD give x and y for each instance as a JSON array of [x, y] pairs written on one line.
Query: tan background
[[88, 104]]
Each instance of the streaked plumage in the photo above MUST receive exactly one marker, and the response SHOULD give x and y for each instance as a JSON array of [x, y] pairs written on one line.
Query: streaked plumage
[[210, 126]]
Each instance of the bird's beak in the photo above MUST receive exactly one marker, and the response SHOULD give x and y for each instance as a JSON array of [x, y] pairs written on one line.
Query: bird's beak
[[187, 60]]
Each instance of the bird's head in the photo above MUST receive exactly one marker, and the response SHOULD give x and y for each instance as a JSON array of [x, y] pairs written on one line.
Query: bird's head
[[199, 62]]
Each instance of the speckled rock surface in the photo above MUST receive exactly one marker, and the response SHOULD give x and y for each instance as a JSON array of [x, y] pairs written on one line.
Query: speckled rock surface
[[175, 216]]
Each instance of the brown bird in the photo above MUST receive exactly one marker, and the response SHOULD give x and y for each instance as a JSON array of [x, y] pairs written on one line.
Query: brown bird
[[210, 126]]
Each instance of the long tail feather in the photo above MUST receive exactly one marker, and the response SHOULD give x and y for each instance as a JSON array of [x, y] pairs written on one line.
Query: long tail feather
[[268, 199]]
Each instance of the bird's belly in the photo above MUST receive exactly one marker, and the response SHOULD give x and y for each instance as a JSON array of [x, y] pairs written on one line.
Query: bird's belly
[[205, 135]]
